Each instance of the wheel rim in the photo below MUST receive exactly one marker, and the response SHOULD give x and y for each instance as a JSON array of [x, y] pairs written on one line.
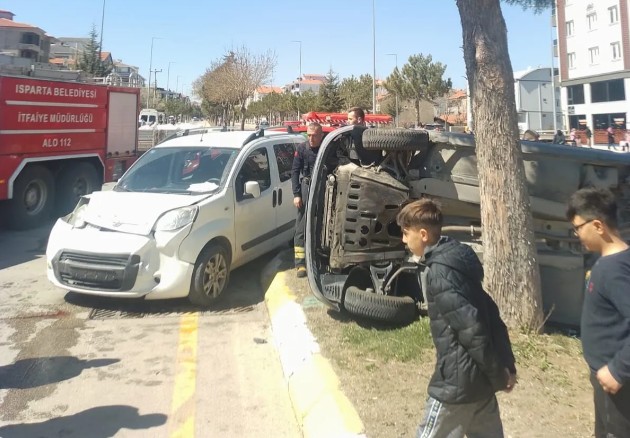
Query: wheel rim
[[35, 197], [214, 276]]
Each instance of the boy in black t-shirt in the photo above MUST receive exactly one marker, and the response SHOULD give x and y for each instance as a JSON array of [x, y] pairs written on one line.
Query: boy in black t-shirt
[[605, 327]]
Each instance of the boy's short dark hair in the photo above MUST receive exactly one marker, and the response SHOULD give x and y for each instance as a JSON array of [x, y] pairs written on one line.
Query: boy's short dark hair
[[423, 213], [592, 203]]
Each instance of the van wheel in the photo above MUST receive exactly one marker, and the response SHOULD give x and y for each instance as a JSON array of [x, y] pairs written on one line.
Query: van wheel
[[394, 140], [33, 198], [383, 308], [210, 276], [76, 181]]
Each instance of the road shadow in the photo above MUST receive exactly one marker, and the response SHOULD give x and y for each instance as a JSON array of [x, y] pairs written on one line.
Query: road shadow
[[99, 422], [243, 292], [39, 371], [23, 246]]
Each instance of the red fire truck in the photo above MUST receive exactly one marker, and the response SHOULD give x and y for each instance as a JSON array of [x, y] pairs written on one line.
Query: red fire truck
[[59, 141]]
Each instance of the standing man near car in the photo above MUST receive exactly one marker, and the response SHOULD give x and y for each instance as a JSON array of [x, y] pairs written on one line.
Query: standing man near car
[[356, 116], [303, 164]]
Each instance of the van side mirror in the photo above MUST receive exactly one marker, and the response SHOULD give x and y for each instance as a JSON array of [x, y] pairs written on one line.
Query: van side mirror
[[252, 190]]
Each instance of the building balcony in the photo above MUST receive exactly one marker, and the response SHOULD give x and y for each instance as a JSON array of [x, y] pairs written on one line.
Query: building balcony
[[32, 47]]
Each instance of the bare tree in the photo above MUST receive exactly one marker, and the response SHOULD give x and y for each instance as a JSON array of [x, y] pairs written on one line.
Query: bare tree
[[510, 259]]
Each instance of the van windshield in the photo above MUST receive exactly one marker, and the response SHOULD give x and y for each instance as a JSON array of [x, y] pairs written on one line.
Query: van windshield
[[184, 170]]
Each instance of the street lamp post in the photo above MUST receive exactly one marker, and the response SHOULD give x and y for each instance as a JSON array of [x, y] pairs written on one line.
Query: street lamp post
[[300, 77], [155, 72], [177, 84], [100, 44], [168, 78], [373, 57], [150, 70], [395, 55]]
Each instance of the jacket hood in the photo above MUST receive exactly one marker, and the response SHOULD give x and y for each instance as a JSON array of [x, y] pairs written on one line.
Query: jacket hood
[[457, 256]]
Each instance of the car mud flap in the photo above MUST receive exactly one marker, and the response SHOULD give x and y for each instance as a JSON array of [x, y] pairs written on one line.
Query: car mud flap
[[333, 286]]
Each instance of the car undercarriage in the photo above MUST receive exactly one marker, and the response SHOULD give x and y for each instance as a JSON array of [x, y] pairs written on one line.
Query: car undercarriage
[[355, 256]]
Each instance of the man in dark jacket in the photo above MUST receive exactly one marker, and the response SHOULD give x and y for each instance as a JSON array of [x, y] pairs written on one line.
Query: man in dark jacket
[[474, 354], [303, 164]]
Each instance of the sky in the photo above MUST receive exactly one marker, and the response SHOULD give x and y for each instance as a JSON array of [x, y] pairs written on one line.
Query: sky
[[335, 34]]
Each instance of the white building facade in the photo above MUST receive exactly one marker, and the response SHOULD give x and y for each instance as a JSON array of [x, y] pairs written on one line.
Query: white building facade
[[535, 98], [594, 63]]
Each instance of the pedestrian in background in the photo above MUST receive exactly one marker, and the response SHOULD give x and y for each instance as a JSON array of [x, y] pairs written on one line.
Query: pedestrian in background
[[625, 143], [356, 116], [589, 135], [559, 138], [303, 164], [531, 135], [611, 136], [605, 325], [474, 354]]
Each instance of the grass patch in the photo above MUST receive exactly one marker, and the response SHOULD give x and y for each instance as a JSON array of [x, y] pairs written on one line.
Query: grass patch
[[402, 344]]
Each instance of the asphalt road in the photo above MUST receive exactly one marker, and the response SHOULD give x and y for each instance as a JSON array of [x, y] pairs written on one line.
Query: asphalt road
[[78, 366]]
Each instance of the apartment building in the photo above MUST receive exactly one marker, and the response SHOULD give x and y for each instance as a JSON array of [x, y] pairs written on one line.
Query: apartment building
[[23, 40], [594, 63]]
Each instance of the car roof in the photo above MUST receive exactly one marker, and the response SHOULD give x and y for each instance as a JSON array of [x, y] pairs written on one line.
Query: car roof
[[229, 139]]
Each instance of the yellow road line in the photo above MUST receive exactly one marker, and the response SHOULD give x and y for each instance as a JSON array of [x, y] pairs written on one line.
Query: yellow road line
[[182, 418]]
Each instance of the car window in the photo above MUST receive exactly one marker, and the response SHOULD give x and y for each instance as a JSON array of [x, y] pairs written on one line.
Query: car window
[[284, 157], [255, 168]]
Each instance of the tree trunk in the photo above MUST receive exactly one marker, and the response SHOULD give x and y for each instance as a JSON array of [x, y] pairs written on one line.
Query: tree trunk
[[243, 109], [417, 105], [510, 260]]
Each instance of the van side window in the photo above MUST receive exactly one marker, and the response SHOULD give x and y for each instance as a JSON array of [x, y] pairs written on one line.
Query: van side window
[[284, 157], [255, 168]]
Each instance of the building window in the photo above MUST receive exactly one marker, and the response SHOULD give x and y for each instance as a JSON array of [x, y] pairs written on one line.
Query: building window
[[570, 28], [593, 55], [616, 50], [571, 59], [613, 12], [608, 91], [591, 18], [575, 94]]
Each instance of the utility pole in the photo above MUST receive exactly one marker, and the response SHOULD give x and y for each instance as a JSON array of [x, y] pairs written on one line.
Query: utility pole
[[100, 44], [168, 77], [155, 72], [150, 70], [300, 77]]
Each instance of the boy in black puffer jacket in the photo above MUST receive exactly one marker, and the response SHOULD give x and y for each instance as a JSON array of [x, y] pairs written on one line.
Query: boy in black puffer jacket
[[474, 354]]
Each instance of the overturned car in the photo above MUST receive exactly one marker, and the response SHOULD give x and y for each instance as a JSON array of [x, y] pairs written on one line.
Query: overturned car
[[356, 260]]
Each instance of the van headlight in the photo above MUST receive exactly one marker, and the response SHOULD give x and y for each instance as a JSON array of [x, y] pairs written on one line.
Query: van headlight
[[176, 219], [77, 217]]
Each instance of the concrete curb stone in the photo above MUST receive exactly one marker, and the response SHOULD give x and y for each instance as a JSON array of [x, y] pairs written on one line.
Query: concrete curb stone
[[321, 408]]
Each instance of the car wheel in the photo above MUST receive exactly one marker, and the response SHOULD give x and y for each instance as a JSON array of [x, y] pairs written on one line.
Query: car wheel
[[210, 276], [384, 308], [395, 140]]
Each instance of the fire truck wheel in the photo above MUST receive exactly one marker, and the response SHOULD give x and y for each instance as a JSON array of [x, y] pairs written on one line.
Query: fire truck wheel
[[75, 181], [33, 198], [395, 140]]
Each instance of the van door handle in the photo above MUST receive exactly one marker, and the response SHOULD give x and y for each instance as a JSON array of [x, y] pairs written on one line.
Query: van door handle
[[279, 196], [275, 196]]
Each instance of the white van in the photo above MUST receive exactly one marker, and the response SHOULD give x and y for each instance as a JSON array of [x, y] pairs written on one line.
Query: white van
[[185, 214]]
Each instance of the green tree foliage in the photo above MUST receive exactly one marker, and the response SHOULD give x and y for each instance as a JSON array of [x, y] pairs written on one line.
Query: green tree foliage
[[356, 91], [89, 61], [535, 5], [419, 79], [329, 97]]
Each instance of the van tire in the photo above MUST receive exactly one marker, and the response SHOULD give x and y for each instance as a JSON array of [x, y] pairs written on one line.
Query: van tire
[[210, 276], [33, 199], [383, 308], [395, 139]]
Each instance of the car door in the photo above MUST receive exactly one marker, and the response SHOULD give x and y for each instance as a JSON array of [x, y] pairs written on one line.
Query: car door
[[254, 218], [286, 213]]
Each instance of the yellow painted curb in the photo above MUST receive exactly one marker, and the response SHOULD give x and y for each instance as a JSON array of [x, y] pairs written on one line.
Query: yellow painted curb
[[310, 383], [320, 407]]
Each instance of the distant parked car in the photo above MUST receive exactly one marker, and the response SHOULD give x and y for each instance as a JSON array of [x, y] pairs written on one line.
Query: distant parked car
[[185, 214]]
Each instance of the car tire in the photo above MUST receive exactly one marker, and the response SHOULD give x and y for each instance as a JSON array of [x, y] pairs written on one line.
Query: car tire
[[210, 276], [33, 199], [76, 181], [395, 140], [383, 308]]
